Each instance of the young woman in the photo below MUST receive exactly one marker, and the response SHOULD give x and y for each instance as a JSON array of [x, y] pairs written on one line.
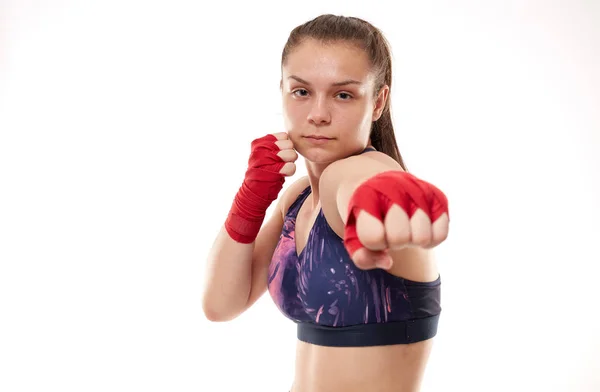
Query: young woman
[[346, 255]]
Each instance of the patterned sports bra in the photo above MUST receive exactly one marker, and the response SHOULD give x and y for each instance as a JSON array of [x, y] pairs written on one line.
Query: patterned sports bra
[[334, 303]]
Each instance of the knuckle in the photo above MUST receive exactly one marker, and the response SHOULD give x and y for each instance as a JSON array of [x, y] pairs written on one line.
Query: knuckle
[[284, 144], [284, 154], [421, 239], [280, 135], [288, 155], [288, 169], [440, 236], [371, 240], [398, 238]]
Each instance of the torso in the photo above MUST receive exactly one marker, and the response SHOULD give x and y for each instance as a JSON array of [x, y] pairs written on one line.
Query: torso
[[393, 368], [353, 369]]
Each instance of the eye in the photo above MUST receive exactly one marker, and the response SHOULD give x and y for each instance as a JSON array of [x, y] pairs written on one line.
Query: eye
[[300, 89], [345, 96]]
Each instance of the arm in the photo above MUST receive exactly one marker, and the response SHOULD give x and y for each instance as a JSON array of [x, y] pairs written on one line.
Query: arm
[[236, 273], [232, 272], [388, 191]]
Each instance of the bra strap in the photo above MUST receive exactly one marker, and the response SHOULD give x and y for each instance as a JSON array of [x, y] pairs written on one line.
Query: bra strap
[[368, 149]]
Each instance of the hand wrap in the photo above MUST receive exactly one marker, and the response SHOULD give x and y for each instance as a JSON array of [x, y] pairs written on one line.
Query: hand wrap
[[260, 188], [377, 194]]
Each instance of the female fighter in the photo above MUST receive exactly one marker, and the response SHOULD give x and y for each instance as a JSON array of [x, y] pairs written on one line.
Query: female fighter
[[346, 254]]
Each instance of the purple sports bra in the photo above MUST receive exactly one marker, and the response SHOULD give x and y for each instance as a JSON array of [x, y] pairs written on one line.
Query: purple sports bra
[[335, 303]]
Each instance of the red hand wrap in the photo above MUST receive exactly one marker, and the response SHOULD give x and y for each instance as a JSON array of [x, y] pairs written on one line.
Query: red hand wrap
[[260, 187], [378, 193]]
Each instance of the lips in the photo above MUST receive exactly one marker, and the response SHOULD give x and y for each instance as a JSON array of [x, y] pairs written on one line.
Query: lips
[[317, 140]]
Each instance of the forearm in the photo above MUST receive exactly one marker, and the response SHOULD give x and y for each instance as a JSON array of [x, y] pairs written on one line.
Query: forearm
[[228, 278]]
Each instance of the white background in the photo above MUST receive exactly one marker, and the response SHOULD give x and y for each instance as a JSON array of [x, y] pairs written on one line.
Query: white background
[[124, 133]]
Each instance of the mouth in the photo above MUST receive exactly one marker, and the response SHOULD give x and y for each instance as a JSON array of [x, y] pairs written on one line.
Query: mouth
[[317, 140]]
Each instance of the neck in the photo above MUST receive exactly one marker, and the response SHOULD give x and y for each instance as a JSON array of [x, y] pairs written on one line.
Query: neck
[[314, 171]]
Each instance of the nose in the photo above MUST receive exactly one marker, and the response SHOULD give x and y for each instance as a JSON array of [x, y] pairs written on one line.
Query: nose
[[319, 112]]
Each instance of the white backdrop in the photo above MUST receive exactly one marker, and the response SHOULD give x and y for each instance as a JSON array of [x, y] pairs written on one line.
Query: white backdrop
[[124, 134]]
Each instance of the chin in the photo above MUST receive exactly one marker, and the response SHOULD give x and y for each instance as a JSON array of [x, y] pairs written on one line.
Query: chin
[[318, 155], [321, 159]]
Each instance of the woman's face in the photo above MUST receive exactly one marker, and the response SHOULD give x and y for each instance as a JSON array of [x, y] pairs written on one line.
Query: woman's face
[[328, 105]]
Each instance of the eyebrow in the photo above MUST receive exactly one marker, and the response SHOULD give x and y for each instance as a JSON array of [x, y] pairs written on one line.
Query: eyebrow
[[342, 83]]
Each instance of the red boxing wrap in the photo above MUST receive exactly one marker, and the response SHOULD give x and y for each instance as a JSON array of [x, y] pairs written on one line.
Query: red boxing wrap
[[377, 194], [260, 187]]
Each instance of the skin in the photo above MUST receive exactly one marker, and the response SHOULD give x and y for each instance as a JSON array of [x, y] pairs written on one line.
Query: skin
[[236, 274]]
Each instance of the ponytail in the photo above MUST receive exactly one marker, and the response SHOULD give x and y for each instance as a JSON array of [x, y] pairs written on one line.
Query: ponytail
[[384, 139]]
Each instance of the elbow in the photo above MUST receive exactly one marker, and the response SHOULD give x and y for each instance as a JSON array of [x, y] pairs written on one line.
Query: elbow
[[215, 317], [218, 314]]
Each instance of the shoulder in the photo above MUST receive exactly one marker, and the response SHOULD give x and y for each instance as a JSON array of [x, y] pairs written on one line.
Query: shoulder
[[360, 164], [291, 193], [345, 175], [353, 170]]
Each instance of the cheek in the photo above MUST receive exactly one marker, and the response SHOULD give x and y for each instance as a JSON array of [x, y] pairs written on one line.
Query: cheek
[[356, 128], [290, 118], [293, 130], [365, 125], [294, 138]]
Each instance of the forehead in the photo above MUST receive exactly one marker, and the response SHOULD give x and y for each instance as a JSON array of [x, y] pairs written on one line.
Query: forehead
[[316, 61]]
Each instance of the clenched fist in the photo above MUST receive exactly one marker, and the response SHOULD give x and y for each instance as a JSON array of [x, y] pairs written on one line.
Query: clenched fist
[[271, 158], [286, 153], [392, 210]]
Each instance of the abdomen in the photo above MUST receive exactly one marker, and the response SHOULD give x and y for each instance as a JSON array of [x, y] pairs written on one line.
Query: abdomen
[[357, 369]]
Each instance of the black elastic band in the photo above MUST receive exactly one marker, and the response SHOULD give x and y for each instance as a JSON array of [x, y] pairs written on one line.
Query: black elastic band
[[368, 149], [376, 334]]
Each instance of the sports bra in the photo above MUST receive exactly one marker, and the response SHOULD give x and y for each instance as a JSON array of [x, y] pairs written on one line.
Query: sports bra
[[334, 303]]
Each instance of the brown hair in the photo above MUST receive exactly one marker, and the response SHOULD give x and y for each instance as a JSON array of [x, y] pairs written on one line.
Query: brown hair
[[330, 28]]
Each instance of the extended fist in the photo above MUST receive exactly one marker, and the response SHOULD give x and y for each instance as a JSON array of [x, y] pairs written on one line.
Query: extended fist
[[393, 210]]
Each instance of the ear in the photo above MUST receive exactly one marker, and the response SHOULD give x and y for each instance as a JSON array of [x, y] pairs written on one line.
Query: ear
[[382, 97]]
